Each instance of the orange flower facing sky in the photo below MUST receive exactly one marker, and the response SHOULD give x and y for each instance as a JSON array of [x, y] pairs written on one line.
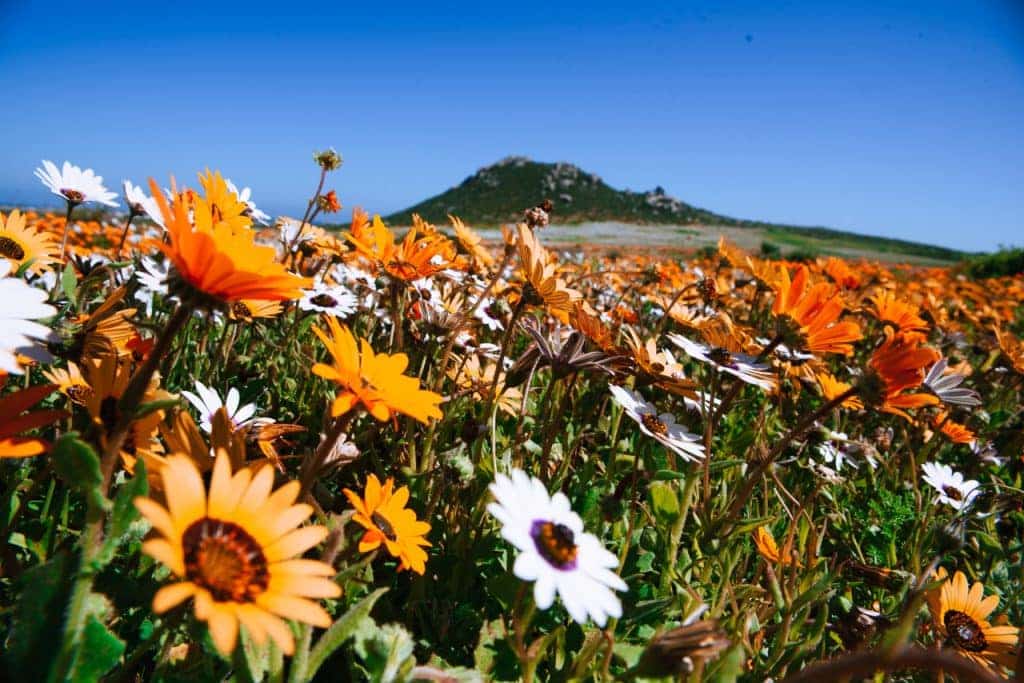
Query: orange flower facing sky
[[809, 315], [375, 380], [214, 252]]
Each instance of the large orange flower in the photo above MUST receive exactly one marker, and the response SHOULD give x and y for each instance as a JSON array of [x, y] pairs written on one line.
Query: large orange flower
[[375, 380], [214, 252], [896, 366], [542, 283], [809, 315], [903, 315]]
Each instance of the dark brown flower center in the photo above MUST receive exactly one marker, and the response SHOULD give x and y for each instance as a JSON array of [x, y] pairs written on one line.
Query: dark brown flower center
[[224, 559], [11, 249], [964, 631], [952, 492], [241, 310], [720, 356], [385, 526], [654, 424], [325, 300], [73, 196], [556, 543], [79, 393]]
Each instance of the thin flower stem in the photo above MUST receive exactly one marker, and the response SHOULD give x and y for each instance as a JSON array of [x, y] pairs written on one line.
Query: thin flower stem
[[864, 664], [67, 227], [312, 466], [124, 233], [676, 532]]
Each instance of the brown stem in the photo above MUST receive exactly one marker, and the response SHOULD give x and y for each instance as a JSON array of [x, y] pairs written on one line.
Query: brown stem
[[864, 664], [312, 466], [124, 233]]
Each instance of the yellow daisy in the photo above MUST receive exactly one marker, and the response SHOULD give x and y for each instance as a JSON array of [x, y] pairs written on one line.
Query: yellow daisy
[[236, 550], [960, 613], [388, 522], [20, 244]]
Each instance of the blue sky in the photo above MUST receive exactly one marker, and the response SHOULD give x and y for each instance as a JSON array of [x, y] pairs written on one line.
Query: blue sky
[[891, 118]]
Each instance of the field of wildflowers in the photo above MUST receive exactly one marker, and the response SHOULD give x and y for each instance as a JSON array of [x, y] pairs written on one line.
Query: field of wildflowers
[[258, 450]]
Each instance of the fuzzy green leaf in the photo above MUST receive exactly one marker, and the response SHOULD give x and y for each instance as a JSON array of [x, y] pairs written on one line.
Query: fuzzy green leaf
[[341, 630], [38, 617], [99, 652]]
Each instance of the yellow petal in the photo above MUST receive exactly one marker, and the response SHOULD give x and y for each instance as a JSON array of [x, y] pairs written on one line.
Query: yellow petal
[[295, 543], [172, 595]]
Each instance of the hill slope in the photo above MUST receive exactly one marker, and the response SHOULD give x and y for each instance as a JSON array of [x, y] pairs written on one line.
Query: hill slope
[[498, 194]]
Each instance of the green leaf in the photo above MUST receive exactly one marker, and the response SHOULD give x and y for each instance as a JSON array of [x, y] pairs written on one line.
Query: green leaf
[[99, 652], [386, 652], [664, 501], [77, 464], [341, 630], [729, 666], [123, 514], [37, 618], [153, 406], [69, 284]]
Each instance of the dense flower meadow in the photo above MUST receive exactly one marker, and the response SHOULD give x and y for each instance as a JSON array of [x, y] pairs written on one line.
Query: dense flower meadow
[[256, 449]]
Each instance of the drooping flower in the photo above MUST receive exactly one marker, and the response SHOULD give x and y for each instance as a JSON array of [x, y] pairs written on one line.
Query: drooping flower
[[383, 513], [543, 286], [236, 550], [960, 615], [769, 549], [74, 185], [946, 385], [952, 488], [20, 244], [375, 380], [904, 316], [741, 365], [554, 551], [208, 402], [663, 428], [215, 255], [20, 306], [108, 378], [14, 420]]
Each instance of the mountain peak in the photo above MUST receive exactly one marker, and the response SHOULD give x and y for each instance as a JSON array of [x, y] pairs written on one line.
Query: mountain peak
[[500, 192]]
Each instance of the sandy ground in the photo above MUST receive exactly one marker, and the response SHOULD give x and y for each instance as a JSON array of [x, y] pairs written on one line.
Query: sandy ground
[[683, 238]]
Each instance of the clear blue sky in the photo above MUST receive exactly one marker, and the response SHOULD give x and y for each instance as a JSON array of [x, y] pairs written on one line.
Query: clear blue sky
[[901, 118]]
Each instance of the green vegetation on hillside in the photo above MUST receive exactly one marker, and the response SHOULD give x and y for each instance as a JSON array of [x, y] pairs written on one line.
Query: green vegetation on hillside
[[498, 194]]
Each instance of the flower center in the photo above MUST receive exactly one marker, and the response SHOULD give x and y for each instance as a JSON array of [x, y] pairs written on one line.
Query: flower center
[[325, 300], [385, 526], [241, 310], [223, 558], [964, 631], [79, 393], [654, 424], [555, 543], [11, 249], [73, 196], [952, 492], [720, 356]]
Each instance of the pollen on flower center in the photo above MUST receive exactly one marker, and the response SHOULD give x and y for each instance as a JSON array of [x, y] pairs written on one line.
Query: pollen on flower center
[[964, 631], [655, 425], [73, 196], [241, 310], [223, 558], [555, 543], [721, 357], [384, 525], [11, 249], [80, 393], [325, 300]]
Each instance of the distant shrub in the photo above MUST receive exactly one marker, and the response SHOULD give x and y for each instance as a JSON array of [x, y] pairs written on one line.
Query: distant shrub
[[770, 250], [803, 255], [1006, 261], [708, 251]]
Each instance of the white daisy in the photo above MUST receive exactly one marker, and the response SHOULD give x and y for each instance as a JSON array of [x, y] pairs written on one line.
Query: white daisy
[[289, 232], [331, 299], [953, 489], [662, 428], [152, 276], [75, 185], [947, 386], [208, 402], [554, 551], [141, 204], [20, 305], [738, 365], [245, 196], [487, 314]]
